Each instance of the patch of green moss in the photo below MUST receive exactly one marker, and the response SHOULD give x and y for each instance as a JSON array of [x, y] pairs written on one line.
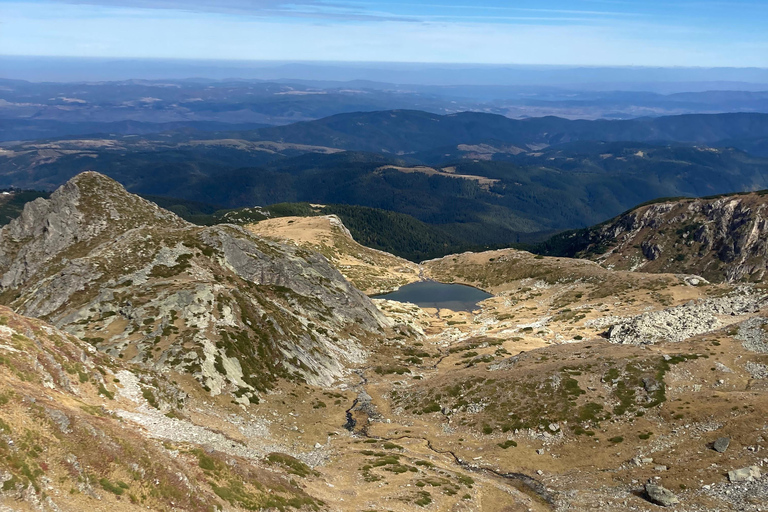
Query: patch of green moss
[[292, 464], [164, 271], [388, 370], [105, 392], [150, 397], [117, 488], [423, 499]]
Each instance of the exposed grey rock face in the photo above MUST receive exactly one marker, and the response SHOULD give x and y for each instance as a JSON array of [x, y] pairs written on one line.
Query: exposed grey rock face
[[748, 474], [681, 322], [48, 228], [306, 273], [651, 251], [232, 309], [723, 238], [661, 496], [757, 370], [651, 385], [59, 419], [748, 496], [721, 444], [504, 364]]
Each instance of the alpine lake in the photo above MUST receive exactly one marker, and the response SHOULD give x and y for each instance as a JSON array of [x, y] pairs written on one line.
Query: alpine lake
[[431, 294]]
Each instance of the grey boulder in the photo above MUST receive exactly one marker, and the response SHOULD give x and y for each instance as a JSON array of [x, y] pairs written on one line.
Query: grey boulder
[[748, 474], [721, 444], [660, 496]]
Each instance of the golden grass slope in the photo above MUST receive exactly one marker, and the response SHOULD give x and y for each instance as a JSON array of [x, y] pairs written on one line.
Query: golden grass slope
[[72, 439], [371, 271]]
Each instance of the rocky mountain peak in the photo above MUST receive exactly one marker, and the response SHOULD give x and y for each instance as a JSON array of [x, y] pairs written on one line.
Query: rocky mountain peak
[[87, 210], [233, 310]]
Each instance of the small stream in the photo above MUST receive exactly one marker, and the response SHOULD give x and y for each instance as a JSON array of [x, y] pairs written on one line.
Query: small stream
[[456, 297], [520, 481], [350, 424]]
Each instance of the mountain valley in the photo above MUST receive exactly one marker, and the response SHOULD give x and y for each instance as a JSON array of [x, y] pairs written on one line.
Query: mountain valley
[[148, 362], [383, 256]]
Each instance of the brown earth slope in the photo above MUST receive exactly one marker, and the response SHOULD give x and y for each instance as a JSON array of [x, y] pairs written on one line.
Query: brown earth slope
[[80, 430]]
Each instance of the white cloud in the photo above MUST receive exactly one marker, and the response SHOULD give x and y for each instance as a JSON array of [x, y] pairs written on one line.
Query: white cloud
[[257, 8]]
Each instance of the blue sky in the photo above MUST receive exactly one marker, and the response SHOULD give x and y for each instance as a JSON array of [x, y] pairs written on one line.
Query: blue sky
[[578, 32]]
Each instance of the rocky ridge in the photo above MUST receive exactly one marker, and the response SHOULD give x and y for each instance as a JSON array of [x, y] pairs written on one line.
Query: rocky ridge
[[232, 309], [722, 238]]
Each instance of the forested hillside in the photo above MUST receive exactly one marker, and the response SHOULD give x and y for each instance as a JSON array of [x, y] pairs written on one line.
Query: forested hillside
[[475, 179]]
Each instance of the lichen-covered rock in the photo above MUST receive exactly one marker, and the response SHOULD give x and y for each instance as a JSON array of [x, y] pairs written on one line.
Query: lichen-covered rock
[[752, 334], [721, 444], [748, 474], [651, 251]]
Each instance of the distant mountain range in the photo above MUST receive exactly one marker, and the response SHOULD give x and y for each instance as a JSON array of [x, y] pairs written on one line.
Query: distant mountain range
[[35, 110], [664, 80], [480, 180]]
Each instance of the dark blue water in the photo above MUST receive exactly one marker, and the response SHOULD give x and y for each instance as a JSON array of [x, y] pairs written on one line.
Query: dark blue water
[[431, 294]]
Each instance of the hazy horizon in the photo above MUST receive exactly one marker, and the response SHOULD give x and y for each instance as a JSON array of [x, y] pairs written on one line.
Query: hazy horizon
[[549, 32], [647, 78]]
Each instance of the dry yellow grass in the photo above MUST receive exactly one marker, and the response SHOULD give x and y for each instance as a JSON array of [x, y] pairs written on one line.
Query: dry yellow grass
[[371, 271]]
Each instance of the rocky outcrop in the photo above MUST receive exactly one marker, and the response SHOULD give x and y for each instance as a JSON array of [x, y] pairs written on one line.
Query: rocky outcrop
[[102, 418], [754, 335], [87, 209], [721, 444], [234, 310], [722, 239]]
